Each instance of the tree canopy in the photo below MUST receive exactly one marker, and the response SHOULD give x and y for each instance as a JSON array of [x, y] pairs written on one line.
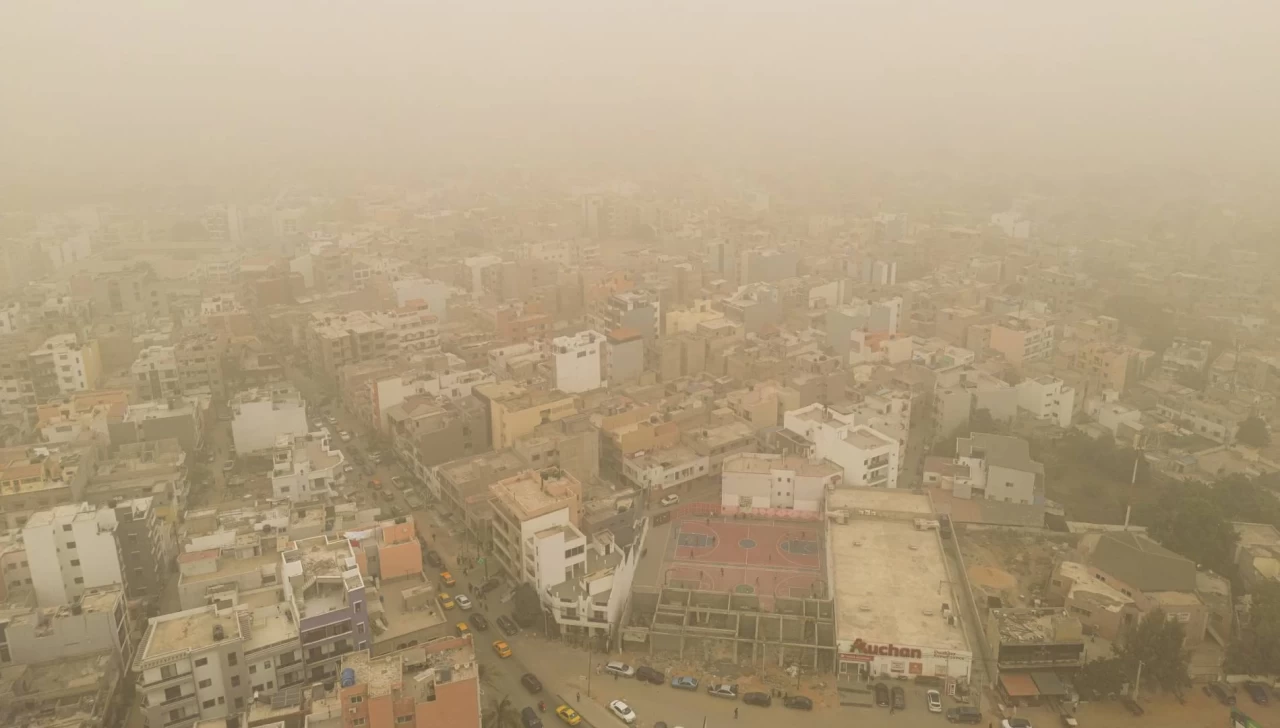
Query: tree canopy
[[526, 607], [1189, 520], [1157, 642], [1254, 432], [1255, 650]]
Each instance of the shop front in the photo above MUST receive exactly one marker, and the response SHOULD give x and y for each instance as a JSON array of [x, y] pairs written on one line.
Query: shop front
[[862, 659]]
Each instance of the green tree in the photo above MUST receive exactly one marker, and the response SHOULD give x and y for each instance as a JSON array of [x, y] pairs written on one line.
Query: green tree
[[1102, 678], [1188, 521], [526, 607], [1157, 642], [501, 713], [1255, 649], [1254, 432]]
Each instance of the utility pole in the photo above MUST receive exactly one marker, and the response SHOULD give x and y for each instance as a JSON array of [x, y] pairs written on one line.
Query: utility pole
[[1137, 683]]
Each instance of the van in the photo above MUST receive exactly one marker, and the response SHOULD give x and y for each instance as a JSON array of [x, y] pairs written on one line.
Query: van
[[964, 714], [529, 718]]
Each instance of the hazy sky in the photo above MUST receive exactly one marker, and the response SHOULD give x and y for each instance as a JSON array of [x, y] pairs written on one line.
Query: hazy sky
[[121, 89]]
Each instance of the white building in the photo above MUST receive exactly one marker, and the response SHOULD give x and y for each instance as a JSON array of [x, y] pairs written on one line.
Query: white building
[[895, 599], [155, 374], [75, 366], [305, 468], [191, 666], [11, 318], [260, 416], [577, 361], [531, 503], [762, 480], [868, 457], [1047, 398], [392, 391], [590, 600], [433, 293], [660, 469], [71, 548]]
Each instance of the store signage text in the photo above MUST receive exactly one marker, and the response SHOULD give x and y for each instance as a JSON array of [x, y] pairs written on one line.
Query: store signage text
[[867, 648]]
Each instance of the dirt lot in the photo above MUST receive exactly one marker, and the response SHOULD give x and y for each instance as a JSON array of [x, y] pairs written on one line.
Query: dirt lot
[[1011, 565]]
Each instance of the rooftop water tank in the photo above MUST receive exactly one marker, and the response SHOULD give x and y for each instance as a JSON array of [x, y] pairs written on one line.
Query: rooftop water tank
[[348, 677]]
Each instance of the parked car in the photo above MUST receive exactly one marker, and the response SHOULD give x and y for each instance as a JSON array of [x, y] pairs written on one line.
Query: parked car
[[1015, 723], [1257, 693], [507, 626], [344, 436], [797, 702], [434, 559], [1132, 706], [228, 466], [464, 601], [621, 669], [529, 718], [899, 698], [478, 621], [684, 682], [762, 700], [447, 579], [723, 690], [502, 648], [446, 601], [348, 468], [462, 629], [386, 496], [623, 711], [1068, 720], [934, 698], [1222, 693], [669, 500], [650, 675], [415, 501], [882, 695], [531, 682], [964, 714], [568, 715], [488, 586]]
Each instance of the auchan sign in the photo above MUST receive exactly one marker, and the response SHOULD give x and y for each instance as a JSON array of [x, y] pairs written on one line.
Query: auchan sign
[[874, 650]]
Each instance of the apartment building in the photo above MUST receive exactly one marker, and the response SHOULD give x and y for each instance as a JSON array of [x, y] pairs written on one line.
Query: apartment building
[[72, 548], [199, 358], [410, 329], [576, 361], [147, 547], [135, 289], [155, 469], [527, 504], [96, 621], [623, 357], [517, 323], [515, 410], [76, 691], [259, 416], [179, 418], [1021, 339], [995, 467], [464, 485], [1048, 399], [322, 581], [33, 479], [589, 602], [761, 482], [453, 386], [155, 374], [1113, 366], [867, 457], [191, 667], [426, 432], [63, 364], [335, 340], [637, 310], [428, 685], [305, 468], [756, 307], [434, 294]]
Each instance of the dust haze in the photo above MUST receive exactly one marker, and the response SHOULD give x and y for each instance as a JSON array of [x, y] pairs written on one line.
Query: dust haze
[[124, 93]]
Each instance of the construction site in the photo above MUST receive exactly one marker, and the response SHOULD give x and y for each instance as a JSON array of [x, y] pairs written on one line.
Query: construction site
[[723, 590]]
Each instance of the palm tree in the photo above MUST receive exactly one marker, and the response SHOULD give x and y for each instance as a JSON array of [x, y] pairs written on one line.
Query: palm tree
[[501, 713]]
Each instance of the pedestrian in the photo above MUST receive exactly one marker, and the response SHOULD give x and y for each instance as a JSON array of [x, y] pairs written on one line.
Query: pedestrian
[[579, 698], [615, 677], [735, 713]]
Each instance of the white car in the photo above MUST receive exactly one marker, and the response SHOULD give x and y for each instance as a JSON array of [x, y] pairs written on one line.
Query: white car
[[623, 711], [348, 468], [669, 500], [621, 669], [344, 436], [934, 698], [463, 601]]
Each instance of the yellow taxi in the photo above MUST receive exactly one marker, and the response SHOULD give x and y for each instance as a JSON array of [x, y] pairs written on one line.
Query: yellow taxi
[[447, 578], [568, 715], [446, 601], [462, 629], [502, 648]]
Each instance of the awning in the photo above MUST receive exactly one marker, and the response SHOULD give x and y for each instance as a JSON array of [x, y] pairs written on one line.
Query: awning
[[1049, 684], [1019, 686]]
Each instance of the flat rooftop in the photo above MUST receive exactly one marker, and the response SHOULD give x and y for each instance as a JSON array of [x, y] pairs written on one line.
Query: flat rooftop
[[891, 582], [531, 493], [865, 438], [272, 625], [189, 630], [879, 499], [400, 619], [766, 463]]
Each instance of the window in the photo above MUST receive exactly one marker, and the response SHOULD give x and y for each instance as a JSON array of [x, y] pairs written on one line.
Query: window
[[358, 722], [71, 544], [202, 662], [66, 526], [239, 703], [79, 579], [75, 562], [253, 669], [357, 699], [235, 681], [207, 704], [232, 659], [266, 664], [402, 719], [207, 682]]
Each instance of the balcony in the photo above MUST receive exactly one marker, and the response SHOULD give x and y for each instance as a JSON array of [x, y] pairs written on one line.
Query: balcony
[[171, 703]]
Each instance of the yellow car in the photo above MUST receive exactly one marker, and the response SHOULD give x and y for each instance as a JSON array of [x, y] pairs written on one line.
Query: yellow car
[[463, 629], [447, 578], [446, 601], [568, 715], [502, 648]]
